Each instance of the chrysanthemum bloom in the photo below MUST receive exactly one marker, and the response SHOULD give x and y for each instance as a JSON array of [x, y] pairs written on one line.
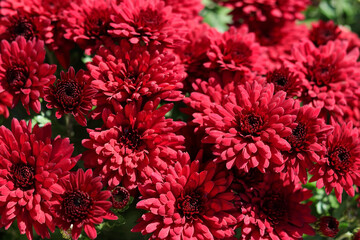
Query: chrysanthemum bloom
[[31, 166], [71, 94], [130, 140], [339, 169], [29, 25], [189, 9], [329, 74], [308, 134], [323, 32], [285, 80], [187, 203], [82, 205], [23, 72], [328, 226], [87, 23], [120, 197], [6, 100], [274, 210], [255, 12], [235, 50], [148, 23], [249, 129], [128, 72]]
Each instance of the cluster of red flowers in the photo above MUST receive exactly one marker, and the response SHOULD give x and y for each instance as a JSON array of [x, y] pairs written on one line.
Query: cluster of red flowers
[[269, 104]]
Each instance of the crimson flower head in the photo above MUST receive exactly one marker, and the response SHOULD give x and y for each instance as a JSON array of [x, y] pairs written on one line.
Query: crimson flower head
[[147, 23], [328, 226], [285, 80], [131, 139], [329, 74], [120, 197], [71, 94], [87, 22], [82, 205], [339, 169], [274, 210], [31, 168], [306, 140], [186, 202], [28, 25], [23, 72], [356, 236], [236, 49], [126, 72], [323, 32], [250, 126]]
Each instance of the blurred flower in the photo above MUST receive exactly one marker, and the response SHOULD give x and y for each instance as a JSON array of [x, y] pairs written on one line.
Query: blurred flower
[[328, 226]]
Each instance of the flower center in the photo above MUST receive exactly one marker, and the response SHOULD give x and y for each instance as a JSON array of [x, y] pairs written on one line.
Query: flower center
[[274, 207], [340, 159], [68, 94], [190, 205], [250, 124], [120, 197], [238, 53], [149, 18], [322, 74], [131, 138], [16, 77], [297, 138], [22, 27], [23, 176], [324, 33], [97, 27], [76, 206]]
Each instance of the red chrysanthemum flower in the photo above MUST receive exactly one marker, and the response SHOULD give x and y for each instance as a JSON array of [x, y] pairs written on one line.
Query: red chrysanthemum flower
[[71, 94], [126, 73], [31, 166], [148, 23], [82, 205], [23, 72], [323, 32], [308, 133], [249, 128], [130, 140], [235, 50], [120, 197], [340, 167], [274, 210], [285, 80], [255, 12], [87, 23], [30, 25], [329, 74], [328, 226], [187, 203], [6, 100]]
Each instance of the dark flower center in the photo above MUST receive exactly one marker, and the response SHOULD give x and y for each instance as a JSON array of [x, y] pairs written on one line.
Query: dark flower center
[[250, 124], [16, 77], [297, 138], [274, 207], [120, 197], [322, 73], [238, 53], [280, 78], [76, 206], [340, 159], [97, 27], [324, 33], [190, 205], [22, 27], [131, 138], [68, 95], [23, 176]]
